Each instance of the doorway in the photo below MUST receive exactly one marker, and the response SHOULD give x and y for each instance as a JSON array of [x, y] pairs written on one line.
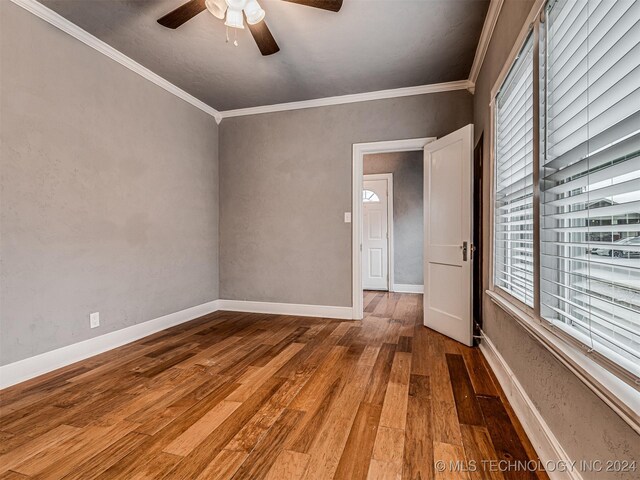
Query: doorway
[[447, 230], [358, 253]]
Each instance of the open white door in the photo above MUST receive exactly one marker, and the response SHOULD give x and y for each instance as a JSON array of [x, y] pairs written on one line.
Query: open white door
[[447, 235]]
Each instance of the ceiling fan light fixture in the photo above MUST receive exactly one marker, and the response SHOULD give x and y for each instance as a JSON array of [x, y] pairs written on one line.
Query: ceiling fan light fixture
[[217, 8], [253, 11], [233, 12], [234, 18]]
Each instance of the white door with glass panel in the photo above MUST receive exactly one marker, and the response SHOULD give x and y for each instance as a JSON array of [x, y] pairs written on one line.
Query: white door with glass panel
[[447, 235], [375, 229]]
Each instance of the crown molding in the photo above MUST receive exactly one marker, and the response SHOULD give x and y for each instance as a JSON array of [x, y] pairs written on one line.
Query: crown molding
[[483, 44], [85, 37], [58, 21], [342, 99]]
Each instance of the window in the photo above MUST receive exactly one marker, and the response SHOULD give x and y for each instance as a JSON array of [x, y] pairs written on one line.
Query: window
[[586, 178], [590, 183], [513, 226], [369, 196]]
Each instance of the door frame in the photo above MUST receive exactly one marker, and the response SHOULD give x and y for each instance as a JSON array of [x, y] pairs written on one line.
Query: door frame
[[359, 151], [477, 236], [389, 178]]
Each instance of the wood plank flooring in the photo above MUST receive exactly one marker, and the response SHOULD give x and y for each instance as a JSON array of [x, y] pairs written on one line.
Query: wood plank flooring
[[252, 396]]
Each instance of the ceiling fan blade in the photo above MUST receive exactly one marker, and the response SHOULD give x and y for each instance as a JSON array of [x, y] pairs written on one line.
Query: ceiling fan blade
[[182, 14], [331, 5], [262, 35]]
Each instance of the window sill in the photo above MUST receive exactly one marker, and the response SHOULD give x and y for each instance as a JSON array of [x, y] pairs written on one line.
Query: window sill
[[620, 396]]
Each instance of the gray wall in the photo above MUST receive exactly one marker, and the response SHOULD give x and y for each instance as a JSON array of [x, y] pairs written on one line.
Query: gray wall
[[287, 183], [109, 193], [408, 212], [585, 426]]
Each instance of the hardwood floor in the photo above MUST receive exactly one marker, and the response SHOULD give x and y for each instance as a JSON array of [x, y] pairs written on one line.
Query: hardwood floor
[[252, 396]]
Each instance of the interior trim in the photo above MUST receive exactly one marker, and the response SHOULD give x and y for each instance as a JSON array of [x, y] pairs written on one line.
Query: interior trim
[[489, 26], [299, 310], [621, 397], [85, 37], [354, 98], [405, 288], [542, 438], [61, 357]]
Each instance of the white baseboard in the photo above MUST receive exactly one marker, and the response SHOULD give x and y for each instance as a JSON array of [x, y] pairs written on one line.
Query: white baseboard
[[402, 288], [324, 311], [46, 362], [544, 441]]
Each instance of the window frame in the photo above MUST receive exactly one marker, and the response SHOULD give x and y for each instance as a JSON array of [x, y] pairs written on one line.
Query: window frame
[[530, 28], [519, 46], [614, 384]]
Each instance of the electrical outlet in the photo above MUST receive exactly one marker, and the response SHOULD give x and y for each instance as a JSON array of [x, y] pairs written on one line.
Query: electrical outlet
[[94, 319]]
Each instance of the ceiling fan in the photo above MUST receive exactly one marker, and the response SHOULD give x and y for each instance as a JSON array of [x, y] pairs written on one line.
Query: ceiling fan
[[235, 12]]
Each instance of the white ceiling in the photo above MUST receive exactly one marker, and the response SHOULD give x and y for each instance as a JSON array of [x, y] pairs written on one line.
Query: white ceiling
[[369, 45]]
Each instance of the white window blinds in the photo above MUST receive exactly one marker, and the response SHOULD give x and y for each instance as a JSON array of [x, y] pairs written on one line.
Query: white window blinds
[[513, 226], [590, 179]]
